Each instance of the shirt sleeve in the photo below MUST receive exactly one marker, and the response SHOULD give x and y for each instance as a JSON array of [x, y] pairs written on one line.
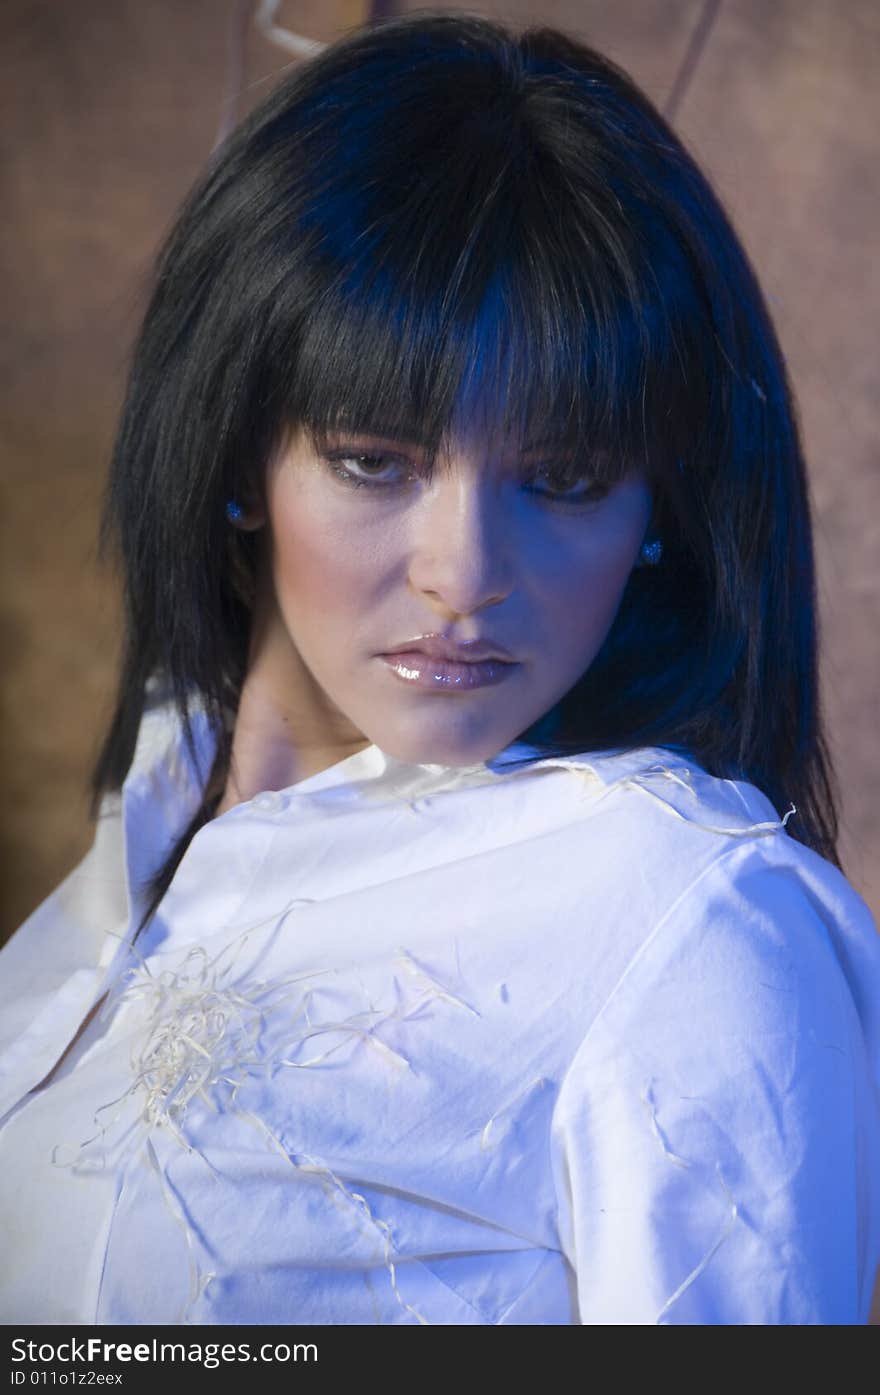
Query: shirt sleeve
[[716, 1138]]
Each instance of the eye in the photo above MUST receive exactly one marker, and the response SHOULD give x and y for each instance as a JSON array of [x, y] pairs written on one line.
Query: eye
[[370, 469], [368, 464], [563, 489]]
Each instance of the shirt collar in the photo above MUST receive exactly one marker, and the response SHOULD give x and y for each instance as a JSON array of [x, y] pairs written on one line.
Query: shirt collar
[[162, 759], [162, 790]]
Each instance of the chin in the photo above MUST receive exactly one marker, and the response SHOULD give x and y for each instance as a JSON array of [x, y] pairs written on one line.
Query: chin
[[443, 748]]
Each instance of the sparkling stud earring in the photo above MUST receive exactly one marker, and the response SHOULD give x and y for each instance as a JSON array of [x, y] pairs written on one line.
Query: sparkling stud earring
[[234, 511], [650, 553]]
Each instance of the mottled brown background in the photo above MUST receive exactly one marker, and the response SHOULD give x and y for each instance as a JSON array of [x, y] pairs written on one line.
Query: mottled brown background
[[111, 108]]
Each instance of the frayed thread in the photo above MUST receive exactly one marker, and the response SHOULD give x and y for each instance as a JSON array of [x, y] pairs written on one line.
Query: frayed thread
[[762, 829], [435, 987], [681, 775], [206, 1036]]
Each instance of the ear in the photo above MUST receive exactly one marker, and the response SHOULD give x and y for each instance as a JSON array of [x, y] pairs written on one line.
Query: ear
[[249, 519]]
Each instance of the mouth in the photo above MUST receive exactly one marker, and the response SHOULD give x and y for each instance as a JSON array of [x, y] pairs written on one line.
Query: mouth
[[422, 671]]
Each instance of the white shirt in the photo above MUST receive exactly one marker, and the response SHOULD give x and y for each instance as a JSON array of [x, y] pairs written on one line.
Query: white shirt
[[592, 1040]]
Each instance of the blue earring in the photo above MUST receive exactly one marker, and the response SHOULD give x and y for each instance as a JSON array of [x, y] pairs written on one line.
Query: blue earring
[[234, 511], [650, 553]]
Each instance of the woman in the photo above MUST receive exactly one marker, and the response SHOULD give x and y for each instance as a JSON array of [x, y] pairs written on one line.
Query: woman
[[464, 939]]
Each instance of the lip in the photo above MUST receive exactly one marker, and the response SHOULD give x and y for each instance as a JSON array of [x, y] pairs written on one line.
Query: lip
[[438, 646], [420, 671]]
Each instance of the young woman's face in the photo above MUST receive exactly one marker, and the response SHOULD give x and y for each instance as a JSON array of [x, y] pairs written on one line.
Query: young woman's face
[[368, 551]]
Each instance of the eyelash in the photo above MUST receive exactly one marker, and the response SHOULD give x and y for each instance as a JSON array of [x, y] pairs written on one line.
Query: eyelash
[[593, 495]]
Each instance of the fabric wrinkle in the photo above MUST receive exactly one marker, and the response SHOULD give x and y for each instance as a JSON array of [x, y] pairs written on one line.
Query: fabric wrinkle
[[647, 1097], [539, 1083]]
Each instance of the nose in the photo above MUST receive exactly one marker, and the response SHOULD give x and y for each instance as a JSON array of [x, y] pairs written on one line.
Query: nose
[[461, 558]]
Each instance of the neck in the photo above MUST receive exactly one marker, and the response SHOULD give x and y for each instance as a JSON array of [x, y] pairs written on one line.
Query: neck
[[286, 729]]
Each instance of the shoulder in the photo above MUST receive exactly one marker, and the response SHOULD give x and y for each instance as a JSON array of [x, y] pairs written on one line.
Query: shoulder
[[679, 844], [656, 791], [766, 938], [752, 1007], [643, 826]]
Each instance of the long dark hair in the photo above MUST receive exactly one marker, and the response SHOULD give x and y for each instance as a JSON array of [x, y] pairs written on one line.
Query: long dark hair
[[436, 206]]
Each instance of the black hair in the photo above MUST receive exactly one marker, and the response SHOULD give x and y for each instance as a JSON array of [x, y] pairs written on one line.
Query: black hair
[[436, 207]]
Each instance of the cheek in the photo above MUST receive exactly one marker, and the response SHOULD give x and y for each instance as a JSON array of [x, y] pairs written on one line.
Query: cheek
[[583, 589], [319, 568], [586, 598]]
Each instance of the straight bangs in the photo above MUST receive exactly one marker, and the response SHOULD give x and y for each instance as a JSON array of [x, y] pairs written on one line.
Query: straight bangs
[[486, 296]]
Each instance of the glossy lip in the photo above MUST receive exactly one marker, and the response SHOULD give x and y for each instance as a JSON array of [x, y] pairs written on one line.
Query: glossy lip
[[420, 671], [438, 646]]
